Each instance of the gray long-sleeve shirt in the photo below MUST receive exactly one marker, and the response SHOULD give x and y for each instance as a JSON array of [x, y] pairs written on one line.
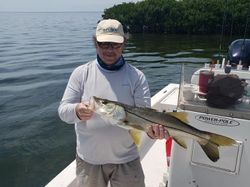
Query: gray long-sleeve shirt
[[99, 142]]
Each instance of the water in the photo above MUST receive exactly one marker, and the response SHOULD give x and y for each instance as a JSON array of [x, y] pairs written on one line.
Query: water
[[38, 51]]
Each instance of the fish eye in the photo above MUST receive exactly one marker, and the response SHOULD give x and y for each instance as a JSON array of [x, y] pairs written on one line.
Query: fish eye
[[104, 102]]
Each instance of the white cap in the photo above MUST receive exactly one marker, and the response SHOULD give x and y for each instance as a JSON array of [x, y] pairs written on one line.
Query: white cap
[[110, 30]]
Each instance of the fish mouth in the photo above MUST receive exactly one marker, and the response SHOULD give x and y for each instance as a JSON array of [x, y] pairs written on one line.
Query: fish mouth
[[97, 103], [103, 106], [94, 103]]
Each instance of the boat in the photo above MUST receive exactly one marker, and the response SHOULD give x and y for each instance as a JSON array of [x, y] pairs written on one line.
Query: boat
[[165, 163]]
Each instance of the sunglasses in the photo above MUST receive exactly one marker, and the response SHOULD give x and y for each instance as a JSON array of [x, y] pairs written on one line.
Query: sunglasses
[[106, 45]]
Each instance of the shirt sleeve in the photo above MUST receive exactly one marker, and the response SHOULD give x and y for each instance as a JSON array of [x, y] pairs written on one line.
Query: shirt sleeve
[[142, 92], [71, 97]]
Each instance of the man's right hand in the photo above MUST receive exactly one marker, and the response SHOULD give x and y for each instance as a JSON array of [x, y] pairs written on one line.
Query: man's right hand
[[84, 111]]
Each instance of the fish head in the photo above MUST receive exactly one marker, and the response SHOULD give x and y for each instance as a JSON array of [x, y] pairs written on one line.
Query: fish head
[[116, 115], [108, 109]]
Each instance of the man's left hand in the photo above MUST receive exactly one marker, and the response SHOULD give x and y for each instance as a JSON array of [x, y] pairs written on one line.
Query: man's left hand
[[157, 131]]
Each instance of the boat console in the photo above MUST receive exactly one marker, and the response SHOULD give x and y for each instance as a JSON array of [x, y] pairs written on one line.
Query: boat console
[[191, 167], [193, 93]]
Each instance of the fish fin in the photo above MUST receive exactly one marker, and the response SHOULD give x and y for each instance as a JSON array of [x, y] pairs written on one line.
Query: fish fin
[[123, 125], [221, 140], [181, 141], [211, 151], [182, 116], [136, 136]]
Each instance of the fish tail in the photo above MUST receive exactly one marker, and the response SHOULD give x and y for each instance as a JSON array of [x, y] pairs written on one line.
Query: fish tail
[[211, 148]]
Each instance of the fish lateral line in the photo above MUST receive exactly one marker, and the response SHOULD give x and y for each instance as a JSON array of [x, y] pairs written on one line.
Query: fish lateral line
[[146, 119]]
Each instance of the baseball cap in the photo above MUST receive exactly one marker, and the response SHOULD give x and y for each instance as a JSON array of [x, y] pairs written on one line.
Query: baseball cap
[[110, 30]]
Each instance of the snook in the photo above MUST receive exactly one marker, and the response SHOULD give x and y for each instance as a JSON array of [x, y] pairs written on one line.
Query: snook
[[176, 124]]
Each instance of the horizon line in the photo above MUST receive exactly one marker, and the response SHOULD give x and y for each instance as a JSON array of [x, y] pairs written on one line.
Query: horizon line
[[65, 11]]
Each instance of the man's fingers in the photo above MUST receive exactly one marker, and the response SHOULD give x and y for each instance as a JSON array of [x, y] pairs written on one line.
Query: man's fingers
[[83, 111], [157, 131], [85, 116]]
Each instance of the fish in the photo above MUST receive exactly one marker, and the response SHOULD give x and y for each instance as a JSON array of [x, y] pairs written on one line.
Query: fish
[[137, 119]]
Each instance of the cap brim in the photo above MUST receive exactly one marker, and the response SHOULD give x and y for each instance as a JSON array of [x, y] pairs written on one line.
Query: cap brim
[[110, 38]]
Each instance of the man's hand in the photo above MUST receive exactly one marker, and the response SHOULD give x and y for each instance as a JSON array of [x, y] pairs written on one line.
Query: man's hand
[[157, 131], [84, 111]]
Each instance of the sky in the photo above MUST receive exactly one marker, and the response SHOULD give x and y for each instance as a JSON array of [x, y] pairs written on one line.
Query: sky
[[58, 5]]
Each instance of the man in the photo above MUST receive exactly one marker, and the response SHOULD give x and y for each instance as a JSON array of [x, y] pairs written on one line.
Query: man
[[106, 153]]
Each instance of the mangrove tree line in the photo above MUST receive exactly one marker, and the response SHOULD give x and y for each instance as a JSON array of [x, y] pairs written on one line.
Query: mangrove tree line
[[184, 16]]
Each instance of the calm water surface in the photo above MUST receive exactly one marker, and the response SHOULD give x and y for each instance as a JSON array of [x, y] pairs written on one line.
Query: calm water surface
[[38, 51]]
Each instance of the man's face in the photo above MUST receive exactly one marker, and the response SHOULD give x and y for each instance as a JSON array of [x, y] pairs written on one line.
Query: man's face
[[109, 52]]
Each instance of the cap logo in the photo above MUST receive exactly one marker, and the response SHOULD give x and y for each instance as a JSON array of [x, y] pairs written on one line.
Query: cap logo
[[110, 29]]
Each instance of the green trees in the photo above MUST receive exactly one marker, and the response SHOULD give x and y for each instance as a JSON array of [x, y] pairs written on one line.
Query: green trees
[[183, 16]]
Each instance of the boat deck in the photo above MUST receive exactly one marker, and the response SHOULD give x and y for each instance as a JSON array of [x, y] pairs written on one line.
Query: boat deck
[[154, 167]]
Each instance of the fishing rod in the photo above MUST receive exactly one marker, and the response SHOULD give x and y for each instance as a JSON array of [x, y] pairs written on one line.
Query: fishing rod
[[247, 21], [245, 32], [243, 47], [238, 52], [222, 28]]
